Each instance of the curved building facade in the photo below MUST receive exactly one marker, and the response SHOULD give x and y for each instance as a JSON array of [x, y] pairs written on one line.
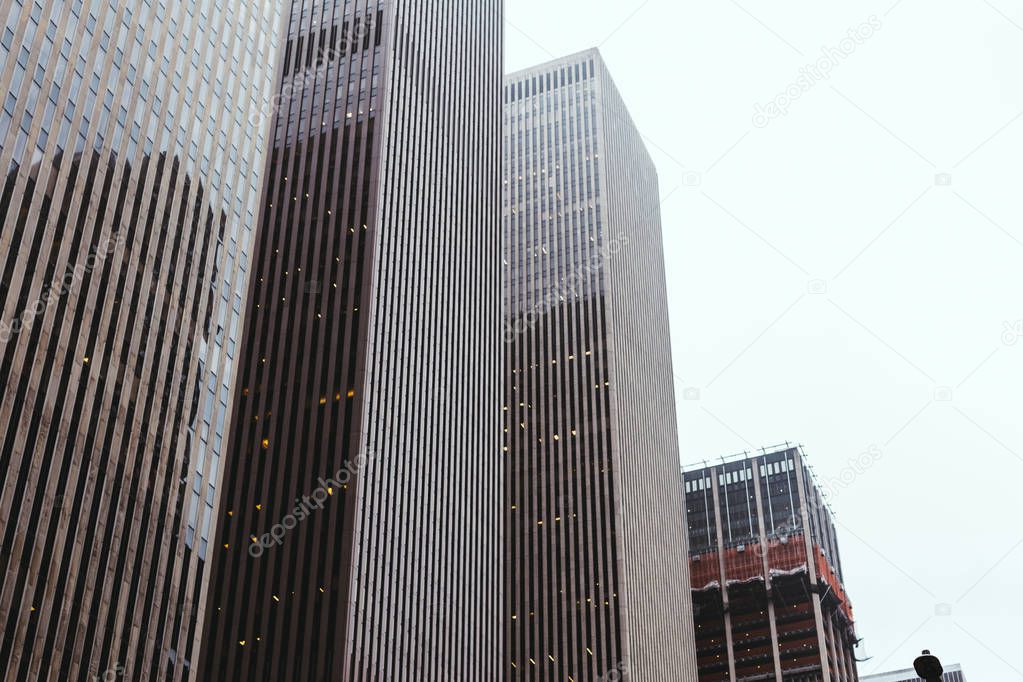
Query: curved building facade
[[131, 161]]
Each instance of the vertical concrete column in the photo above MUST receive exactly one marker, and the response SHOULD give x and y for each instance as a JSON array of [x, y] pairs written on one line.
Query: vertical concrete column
[[766, 569], [811, 565], [721, 572]]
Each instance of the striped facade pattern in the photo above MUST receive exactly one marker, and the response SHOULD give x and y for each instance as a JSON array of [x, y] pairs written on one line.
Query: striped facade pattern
[[131, 172], [597, 587], [759, 526], [366, 434]]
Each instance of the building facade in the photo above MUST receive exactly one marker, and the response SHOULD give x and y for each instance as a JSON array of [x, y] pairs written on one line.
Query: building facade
[[766, 576], [596, 586], [359, 534], [131, 174], [953, 673]]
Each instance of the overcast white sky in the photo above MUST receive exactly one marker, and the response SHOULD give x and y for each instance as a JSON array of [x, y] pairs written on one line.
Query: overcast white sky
[[827, 288]]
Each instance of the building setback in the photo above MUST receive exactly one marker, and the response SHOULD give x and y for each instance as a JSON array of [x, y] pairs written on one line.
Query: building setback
[[953, 673], [767, 580], [595, 541], [131, 170], [359, 534]]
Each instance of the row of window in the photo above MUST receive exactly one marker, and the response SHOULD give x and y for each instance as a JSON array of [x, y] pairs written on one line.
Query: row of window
[[549, 81]]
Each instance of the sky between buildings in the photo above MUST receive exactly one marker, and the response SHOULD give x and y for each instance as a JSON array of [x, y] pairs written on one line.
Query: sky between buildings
[[844, 270]]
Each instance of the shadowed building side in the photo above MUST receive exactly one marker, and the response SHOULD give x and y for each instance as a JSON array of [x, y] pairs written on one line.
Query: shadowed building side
[[595, 541], [360, 532], [131, 175]]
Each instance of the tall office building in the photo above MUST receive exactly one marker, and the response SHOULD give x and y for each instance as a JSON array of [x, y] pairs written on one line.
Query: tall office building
[[131, 170], [953, 673], [595, 541], [767, 580], [359, 537]]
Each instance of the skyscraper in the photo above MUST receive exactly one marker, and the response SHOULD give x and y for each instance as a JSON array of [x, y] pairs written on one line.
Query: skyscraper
[[595, 535], [953, 673], [767, 579], [359, 535], [131, 171]]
